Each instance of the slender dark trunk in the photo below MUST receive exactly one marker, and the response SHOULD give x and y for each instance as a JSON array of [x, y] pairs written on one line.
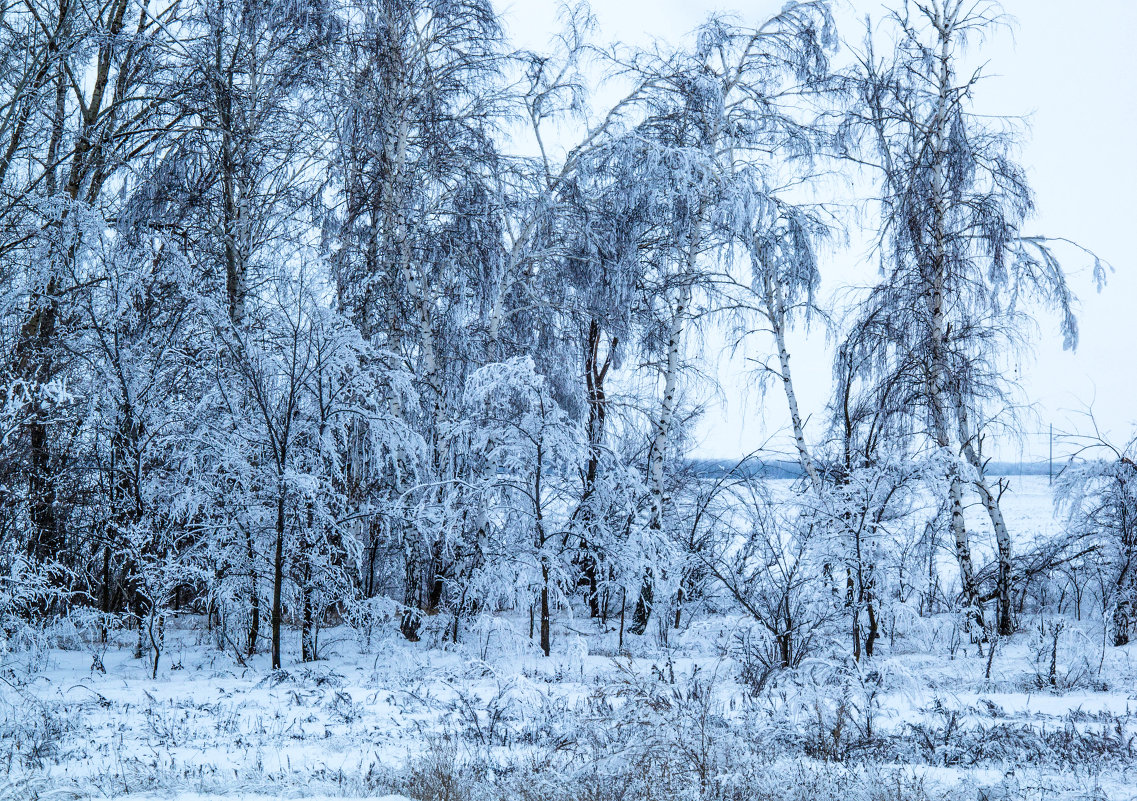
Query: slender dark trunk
[[105, 595], [157, 639], [541, 542], [254, 597], [369, 579], [437, 579], [409, 624], [37, 365], [874, 627], [623, 604], [595, 371], [546, 621], [589, 568], [277, 581], [307, 640]]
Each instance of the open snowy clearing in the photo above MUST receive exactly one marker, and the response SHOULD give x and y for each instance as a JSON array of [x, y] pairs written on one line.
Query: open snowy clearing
[[398, 720]]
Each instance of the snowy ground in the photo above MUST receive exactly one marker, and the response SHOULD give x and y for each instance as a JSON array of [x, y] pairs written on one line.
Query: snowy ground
[[491, 718]]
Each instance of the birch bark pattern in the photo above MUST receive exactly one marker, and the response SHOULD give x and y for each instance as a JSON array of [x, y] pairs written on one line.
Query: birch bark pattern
[[776, 313], [657, 451], [935, 279], [1004, 620]]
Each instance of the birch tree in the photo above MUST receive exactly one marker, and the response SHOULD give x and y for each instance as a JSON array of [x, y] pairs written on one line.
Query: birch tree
[[414, 233], [957, 269], [713, 116]]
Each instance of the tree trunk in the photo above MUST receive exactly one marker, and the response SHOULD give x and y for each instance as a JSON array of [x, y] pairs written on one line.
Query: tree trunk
[[874, 626], [277, 581], [36, 364], [546, 620], [1124, 608], [963, 552], [642, 611], [776, 313], [307, 640], [254, 596], [412, 590], [657, 454], [929, 603], [623, 604], [595, 372], [1004, 619], [935, 265]]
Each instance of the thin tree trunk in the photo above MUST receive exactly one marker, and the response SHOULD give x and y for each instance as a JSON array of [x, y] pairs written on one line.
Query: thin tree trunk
[[307, 641], [1004, 620], [936, 276], [546, 620], [1124, 619], [657, 453], [412, 591], [1003, 616], [595, 372], [933, 573], [277, 581], [254, 596], [623, 604], [776, 313], [105, 596]]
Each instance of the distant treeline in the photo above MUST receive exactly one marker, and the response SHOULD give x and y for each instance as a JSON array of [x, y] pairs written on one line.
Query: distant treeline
[[789, 468]]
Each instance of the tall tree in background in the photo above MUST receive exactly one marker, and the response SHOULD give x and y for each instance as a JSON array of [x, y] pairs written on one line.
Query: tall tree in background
[[244, 176], [956, 265], [713, 117], [82, 110], [413, 233]]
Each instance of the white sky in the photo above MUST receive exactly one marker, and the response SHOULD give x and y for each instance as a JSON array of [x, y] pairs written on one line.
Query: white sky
[[1071, 68]]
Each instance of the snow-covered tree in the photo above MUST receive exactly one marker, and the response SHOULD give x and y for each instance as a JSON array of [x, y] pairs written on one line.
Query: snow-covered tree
[[712, 117], [1098, 492], [533, 452], [957, 268]]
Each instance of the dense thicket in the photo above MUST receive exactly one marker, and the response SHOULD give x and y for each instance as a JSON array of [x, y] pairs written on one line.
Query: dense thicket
[[320, 310]]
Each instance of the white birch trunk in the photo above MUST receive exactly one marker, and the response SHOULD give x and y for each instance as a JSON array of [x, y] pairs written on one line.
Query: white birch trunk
[[945, 24], [658, 449], [662, 424], [1003, 617], [776, 312]]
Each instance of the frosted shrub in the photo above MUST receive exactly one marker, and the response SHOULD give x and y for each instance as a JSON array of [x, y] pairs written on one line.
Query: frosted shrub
[[372, 618], [1059, 656], [492, 637]]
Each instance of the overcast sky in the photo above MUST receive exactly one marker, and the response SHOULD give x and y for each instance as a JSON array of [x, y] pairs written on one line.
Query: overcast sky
[[1070, 69]]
